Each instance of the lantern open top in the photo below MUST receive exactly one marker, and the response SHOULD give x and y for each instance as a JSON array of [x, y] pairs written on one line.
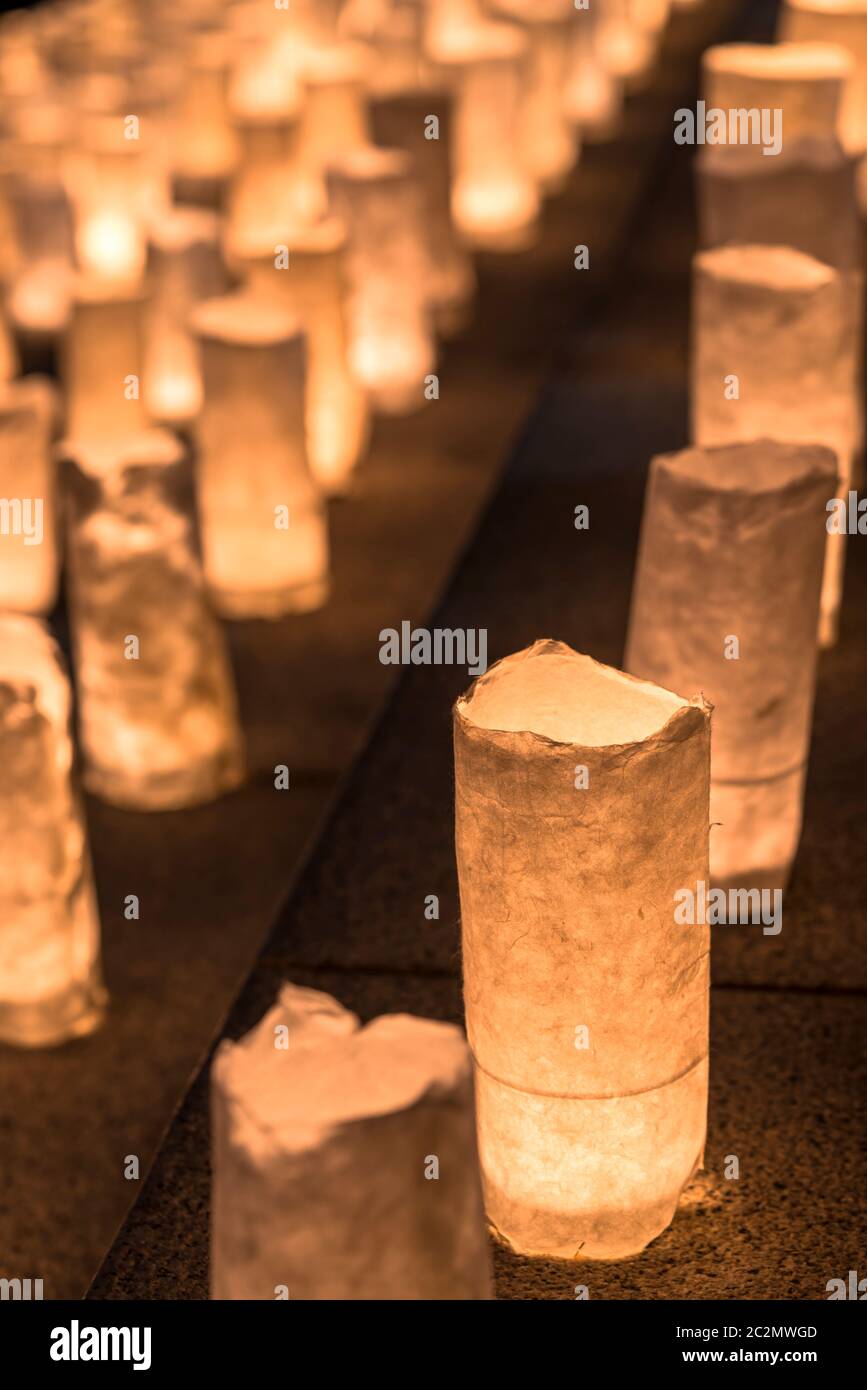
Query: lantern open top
[[371, 162], [553, 692], [489, 41], [329, 1070], [760, 466], [244, 319], [780, 61]]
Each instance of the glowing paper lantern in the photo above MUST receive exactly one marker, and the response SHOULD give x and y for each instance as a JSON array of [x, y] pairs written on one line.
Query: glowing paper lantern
[[405, 120], [263, 199], [582, 808], [204, 146], [332, 120], [109, 179], [495, 200], [806, 81], [263, 522], [776, 354], [157, 712], [547, 140], [732, 551], [28, 541], [593, 98], [40, 221], [102, 360], [842, 22], [50, 979], [185, 266], [626, 47], [344, 1159], [391, 346], [310, 279]]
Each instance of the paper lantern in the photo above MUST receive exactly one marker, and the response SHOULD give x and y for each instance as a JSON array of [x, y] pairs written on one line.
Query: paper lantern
[[102, 360], [495, 201], [204, 145], [50, 979], [806, 81], [263, 200], [547, 140], [156, 702], [263, 523], [732, 550], [842, 22], [391, 346], [626, 47], [403, 120], [593, 97], [332, 120], [776, 354], [344, 1159], [28, 541], [184, 267], [311, 282], [40, 228], [109, 177], [582, 809]]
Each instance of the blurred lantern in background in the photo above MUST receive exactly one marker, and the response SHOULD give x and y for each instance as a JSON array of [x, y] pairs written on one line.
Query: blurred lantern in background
[[156, 701], [263, 523], [391, 347], [50, 977], [29, 560]]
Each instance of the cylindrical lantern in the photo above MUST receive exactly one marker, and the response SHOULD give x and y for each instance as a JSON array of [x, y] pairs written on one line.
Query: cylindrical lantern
[[495, 200], [547, 139], [842, 22], [204, 144], [420, 121], [332, 120], [593, 97], [102, 360], [263, 196], [777, 354], [28, 534], [156, 701], [308, 274], [263, 522], [40, 218], [625, 47], [109, 175], [726, 600], [582, 810], [806, 81], [344, 1159], [391, 345], [50, 978], [185, 267]]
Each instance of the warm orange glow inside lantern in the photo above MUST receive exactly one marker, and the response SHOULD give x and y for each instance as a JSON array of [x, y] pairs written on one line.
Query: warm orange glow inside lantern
[[204, 146], [184, 267], [776, 354], [391, 345], [322, 1130], [158, 719], [263, 198], [582, 808], [102, 360], [548, 142], [38, 223], [332, 120], [733, 547], [28, 539], [50, 980], [263, 521], [110, 181], [626, 46], [495, 200], [593, 97], [310, 280]]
